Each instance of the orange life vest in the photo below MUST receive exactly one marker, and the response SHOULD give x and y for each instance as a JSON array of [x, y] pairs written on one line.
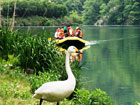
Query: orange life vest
[[59, 33], [79, 33], [70, 31]]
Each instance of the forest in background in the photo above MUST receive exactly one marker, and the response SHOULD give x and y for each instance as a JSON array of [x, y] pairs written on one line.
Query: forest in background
[[75, 12]]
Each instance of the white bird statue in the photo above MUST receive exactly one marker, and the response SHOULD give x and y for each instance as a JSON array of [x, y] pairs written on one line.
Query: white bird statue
[[56, 91]]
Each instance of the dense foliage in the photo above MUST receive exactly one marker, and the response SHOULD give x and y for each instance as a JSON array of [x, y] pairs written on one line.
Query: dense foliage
[[34, 52], [34, 8], [97, 97], [112, 12], [93, 12], [31, 50]]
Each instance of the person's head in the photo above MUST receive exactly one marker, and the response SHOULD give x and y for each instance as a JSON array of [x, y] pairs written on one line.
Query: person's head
[[77, 28], [62, 25], [68, 26]]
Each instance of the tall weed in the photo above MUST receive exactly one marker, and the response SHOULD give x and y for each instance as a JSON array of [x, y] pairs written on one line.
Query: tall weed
[[7, 40], [34, 51]]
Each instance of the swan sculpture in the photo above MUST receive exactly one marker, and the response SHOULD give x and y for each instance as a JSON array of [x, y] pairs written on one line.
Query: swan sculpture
[[56, 91]]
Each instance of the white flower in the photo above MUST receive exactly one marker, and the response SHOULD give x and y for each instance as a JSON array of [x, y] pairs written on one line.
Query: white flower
[[5, 65]]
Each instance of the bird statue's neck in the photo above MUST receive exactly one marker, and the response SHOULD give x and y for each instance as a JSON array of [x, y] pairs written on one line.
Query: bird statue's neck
[[68, 69]]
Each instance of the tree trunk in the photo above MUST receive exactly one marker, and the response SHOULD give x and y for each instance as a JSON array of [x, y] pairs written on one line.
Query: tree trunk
[[13, 19], [0, 16]]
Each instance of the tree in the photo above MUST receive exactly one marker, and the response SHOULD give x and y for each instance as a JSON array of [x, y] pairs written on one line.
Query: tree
[[132, 12], [74, 5], [76, 19], [35, 8], [114, 11], [91, 11], [134, 15]]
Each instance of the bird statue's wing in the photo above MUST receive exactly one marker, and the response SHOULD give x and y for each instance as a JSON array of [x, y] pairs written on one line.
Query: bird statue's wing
[[57, 90]]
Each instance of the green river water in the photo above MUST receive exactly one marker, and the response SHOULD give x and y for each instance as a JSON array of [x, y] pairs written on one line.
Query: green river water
[[113, 63]]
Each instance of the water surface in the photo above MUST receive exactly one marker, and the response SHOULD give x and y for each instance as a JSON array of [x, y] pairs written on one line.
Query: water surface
[[113, 64]]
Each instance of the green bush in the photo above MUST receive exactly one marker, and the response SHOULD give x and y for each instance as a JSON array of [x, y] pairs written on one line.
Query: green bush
[[137, 103], [7, 39], [34, 52], [97, 97], [37, 80]]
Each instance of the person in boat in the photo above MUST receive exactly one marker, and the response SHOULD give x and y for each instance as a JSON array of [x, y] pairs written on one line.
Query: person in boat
[[78, 32], [64, 28], [59, 34], [70, 31], [56, 35]]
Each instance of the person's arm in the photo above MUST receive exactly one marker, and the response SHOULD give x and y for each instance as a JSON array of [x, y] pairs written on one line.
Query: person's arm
[[78, 34], [55, 35]]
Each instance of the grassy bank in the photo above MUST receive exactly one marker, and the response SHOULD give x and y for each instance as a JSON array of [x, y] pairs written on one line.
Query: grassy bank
[[26, 62], [15, 88]]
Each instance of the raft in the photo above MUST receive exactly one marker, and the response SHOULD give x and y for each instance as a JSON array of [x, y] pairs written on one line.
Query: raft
[[72, 41]]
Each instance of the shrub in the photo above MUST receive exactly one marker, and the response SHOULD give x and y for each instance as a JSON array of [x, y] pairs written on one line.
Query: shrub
[[37, 80], [7, 39], [137, 103], [34, 52], [97, 97]]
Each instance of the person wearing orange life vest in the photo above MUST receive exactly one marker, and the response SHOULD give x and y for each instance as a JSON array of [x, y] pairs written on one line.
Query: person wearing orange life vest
[[59, 34], [64, 28], [78, 32], [70, 31]]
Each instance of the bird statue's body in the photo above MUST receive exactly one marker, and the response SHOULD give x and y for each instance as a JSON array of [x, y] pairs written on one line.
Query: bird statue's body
[[58, 90]]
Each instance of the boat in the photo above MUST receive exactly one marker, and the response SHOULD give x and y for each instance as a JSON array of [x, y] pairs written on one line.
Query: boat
[[79, 43], [72, 41]]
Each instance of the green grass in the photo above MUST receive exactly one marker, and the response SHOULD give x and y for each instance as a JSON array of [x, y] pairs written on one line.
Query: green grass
[[16, 90]]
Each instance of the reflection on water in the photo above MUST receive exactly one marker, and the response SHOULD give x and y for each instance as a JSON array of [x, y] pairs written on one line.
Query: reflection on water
[[113, 62]]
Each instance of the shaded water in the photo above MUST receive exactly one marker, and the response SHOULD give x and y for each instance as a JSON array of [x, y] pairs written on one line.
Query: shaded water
[[113, 62]]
